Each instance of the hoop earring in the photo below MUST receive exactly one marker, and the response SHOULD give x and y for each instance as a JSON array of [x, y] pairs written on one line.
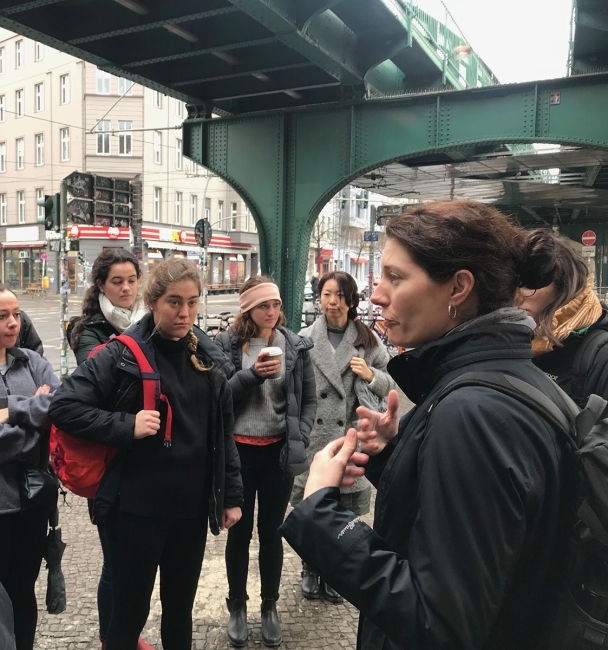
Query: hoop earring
[[452, 312]]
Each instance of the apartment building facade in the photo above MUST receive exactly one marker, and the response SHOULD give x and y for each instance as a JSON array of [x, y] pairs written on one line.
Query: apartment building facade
[[59, 114]]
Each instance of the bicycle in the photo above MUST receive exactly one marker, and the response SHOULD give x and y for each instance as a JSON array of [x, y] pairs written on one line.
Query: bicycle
[[216, 323]]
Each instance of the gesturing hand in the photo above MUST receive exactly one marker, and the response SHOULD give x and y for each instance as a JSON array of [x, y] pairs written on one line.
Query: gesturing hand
[[43, 390], [147, 423], [375, 430], [336, 464]]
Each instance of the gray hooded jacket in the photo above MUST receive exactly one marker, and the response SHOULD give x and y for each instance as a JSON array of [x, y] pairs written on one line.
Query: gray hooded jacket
[[25, 436]]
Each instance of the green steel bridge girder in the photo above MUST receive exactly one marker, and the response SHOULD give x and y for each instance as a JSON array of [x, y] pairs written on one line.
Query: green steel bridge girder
[[286, 165]]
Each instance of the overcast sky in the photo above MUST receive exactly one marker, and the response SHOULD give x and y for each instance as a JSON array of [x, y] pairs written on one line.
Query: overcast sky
[[520, 40]]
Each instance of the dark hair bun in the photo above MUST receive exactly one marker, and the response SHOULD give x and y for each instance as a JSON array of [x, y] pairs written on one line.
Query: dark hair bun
[[537, 267]]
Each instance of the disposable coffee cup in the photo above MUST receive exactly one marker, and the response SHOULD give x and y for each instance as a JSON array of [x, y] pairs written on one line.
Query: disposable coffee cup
[[272, 352]]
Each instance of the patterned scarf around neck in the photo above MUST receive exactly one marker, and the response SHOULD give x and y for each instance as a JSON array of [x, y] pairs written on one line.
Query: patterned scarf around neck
[[119, 317], [581, 312]]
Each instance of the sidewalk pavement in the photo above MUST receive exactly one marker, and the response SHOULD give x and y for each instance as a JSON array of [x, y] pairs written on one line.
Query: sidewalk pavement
[[307, 625]]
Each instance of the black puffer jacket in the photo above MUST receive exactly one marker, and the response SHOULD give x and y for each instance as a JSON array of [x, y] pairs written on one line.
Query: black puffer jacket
[[470, 543], [301, 394], [99, 402], [97, 331]]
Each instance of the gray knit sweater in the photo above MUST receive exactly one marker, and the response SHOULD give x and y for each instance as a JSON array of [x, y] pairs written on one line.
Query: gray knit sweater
[[262, 414]]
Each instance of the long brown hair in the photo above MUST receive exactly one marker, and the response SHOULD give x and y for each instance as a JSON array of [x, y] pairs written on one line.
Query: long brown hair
[[348, 286], [161, 276], [243, 326], [101, 270]]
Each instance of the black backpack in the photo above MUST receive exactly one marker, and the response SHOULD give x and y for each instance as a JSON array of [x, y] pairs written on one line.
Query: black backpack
[[586, 433], [583, 360]]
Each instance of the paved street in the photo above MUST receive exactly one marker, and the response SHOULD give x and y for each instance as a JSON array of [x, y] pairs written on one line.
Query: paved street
[[306, 625]]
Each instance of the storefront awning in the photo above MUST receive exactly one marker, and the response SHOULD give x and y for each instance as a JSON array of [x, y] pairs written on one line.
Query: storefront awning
[[24, 244], [360, 260]]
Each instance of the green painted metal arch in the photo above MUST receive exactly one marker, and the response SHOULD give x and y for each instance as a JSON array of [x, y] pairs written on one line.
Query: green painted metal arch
[[289, 163]]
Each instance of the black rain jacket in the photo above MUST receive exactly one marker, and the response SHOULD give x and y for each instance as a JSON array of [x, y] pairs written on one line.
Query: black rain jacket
[[301, 393], [99, 402], [469, 548]]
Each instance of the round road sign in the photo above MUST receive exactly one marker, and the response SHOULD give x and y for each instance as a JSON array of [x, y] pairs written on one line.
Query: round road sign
[[588, 238]]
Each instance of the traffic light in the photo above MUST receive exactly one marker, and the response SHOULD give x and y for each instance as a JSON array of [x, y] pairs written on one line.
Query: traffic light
[[51, 211], [81, 257]]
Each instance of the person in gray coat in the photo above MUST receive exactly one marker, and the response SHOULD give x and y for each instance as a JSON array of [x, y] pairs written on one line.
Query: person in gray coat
[[274, 407], [349, 362], [25, 394]]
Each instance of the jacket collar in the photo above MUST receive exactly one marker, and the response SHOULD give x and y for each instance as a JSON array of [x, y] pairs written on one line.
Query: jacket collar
[[329, 362], [416, 372]]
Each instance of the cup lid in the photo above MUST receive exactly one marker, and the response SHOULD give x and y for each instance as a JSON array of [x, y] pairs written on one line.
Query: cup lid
[[272, 351]]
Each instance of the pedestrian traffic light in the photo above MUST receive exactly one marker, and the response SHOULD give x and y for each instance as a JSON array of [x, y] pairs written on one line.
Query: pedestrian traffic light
[[81, 257], [51, 211]]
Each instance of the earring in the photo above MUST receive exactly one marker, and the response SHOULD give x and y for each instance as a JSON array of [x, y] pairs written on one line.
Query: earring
[[452, 311]]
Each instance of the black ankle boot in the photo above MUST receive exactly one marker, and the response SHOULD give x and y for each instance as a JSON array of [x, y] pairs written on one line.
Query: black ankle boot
[[310, 583], [331, 595], [271, 626], [237, 623]]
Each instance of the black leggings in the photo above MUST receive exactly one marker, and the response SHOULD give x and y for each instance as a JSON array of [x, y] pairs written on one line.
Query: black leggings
[[262, 476], [138, 546], [22, 541]]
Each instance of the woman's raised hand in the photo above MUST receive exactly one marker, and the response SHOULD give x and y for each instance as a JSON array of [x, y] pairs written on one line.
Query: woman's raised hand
[[375, 430], [336, 465], [147, 423], [266, 366]]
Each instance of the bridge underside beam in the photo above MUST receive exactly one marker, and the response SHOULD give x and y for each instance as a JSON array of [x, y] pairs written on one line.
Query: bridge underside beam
[[288, 164]]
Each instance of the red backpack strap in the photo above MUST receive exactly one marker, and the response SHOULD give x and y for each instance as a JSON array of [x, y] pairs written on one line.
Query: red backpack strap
[[151, 381]]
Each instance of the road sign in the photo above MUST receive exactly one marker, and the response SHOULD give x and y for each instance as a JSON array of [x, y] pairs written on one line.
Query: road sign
[[370, 235], [588, 238], [43, 256], [588, 251]]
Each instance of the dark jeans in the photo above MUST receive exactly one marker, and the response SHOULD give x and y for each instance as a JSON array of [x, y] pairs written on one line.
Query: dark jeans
[[138, 546], [22, 541], [104, 588], [262, 476]]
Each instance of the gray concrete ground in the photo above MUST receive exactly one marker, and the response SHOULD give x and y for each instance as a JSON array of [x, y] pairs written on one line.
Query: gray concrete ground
[[306, 624]]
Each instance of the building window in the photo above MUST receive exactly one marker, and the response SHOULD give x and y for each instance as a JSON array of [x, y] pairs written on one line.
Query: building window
[[124, 139], [125, 86], [39, 51], [103, 138], [2, 157], [2, 108], [195, 169], [39, 88], [21, 206], [178, 108], [103, 82], [247, 215], [19, 54], [178, 207], [178, 154], [19, 103], [158, 143], [2, 64], [233, 212], [208, 209], [158, 99], [64, 87], [39, 149], [64, 137], [2, 209], [40, 212], [20, 153], [220, 214], [193, 209], [158, 195]]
